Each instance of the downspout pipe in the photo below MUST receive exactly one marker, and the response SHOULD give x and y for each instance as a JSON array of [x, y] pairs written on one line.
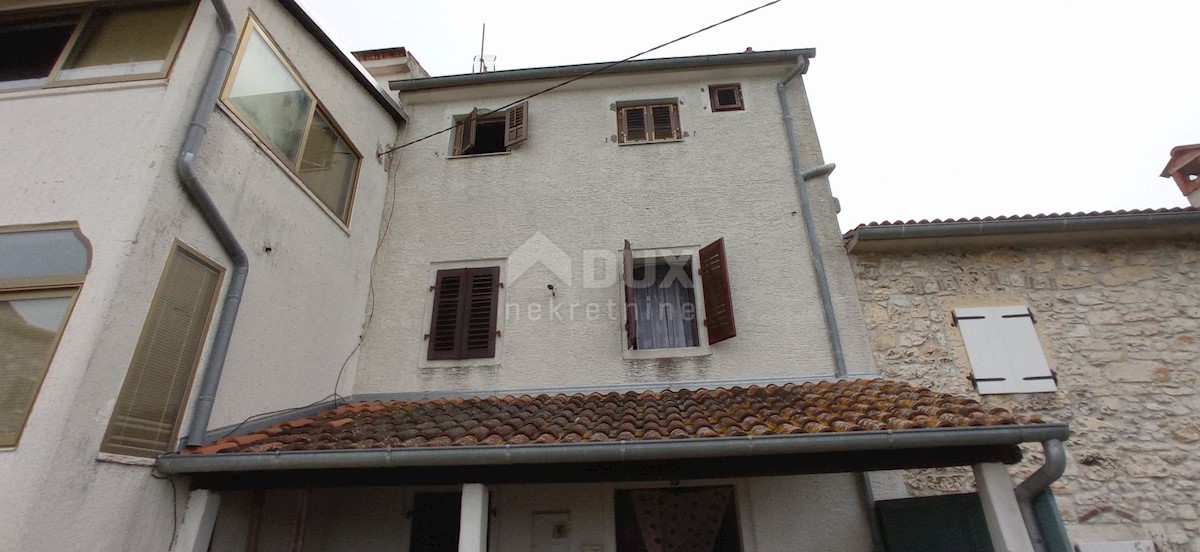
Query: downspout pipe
[[1037, 483], [800, 176], [814, 247], [210, 378]]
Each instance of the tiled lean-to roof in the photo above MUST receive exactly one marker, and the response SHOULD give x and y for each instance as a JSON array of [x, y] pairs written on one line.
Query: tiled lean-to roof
[[1051, 216], [825, 407]]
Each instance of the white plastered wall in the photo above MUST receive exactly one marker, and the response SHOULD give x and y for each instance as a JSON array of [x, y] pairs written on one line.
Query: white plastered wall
[[104, 155], [729, 177]]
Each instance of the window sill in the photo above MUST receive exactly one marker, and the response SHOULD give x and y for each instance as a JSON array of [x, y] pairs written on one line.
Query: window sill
[[63, 90], [462, 363], [287, 171], [499, 153], [680, 352], [648, 142], [126, 460]]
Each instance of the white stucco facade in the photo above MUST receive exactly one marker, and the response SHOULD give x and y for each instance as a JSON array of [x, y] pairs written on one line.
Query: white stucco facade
[[104, 155], [572, 192]]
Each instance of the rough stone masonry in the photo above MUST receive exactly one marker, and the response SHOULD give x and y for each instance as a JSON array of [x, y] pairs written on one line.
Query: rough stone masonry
[[1119, 325]]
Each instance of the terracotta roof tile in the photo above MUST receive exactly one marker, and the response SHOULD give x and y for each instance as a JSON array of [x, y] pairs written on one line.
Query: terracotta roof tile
[[844, 406]]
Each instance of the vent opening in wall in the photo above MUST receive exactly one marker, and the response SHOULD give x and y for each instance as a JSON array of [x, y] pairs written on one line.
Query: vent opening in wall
[[725, 97]]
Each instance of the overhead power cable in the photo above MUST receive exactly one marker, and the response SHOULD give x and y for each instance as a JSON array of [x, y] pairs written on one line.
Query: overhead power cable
[[586, 75]]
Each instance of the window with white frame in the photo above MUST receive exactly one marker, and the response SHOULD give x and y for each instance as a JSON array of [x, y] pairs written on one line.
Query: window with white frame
[[1004, 350], [663, 308]]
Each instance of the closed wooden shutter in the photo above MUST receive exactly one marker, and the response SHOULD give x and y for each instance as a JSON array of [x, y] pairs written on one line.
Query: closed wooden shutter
[[160, 374], [464, 133], [444, 335], [516, 124], [666, 126], [630, 301], [465, 310], [479, 316], [633, 124], [718, 301], [1005, 352]]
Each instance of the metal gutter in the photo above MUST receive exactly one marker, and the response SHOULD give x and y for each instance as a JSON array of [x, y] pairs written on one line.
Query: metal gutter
[[612, 451], [346, 60], [810, 230], [186, 170], [635, 66], [1037, 483], [904, 236]]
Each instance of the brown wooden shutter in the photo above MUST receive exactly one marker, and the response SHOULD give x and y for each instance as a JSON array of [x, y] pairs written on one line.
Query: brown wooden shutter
[[718, 301], [630, 306], [478, 320], [464, 134], [633, 124], [144, 420], [516, 124], [663, 118], [445, 337]]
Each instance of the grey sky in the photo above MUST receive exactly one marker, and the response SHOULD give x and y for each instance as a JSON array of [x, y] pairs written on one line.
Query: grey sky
[[930, 109]]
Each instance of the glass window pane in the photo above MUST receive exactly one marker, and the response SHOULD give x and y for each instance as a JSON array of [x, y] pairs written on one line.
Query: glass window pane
[[265, 92], [125, 42], [30, 50], [328, 165], [41, 253], [28, 332]]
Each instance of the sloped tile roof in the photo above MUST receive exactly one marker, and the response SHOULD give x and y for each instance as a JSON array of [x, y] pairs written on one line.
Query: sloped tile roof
[[824, 407], [1130, 212]]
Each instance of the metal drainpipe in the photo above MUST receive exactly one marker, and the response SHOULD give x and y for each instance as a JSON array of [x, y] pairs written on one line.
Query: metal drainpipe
[[1037, 483], [185, 167], [814, 249]]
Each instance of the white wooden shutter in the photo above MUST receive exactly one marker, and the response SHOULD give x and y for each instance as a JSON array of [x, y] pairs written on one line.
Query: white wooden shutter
[[1005, 353]]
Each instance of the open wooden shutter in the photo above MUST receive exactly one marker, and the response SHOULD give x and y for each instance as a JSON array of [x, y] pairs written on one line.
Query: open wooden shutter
[[478, 320], [666, 126], [630, 306], [633, 124], [464, 134], [144, 419], [718, 301], [1005, 352], [444, 334], [516, 124]]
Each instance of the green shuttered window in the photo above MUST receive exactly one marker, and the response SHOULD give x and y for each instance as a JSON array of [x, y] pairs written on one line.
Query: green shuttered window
[[148, 409]]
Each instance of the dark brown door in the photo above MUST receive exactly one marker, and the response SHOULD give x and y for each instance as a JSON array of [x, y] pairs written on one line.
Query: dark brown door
[[435, 522]]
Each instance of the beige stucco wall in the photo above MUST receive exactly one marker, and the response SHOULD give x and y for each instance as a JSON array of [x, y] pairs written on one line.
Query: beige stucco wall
[[729, 177], [104, 155], [1119, 324]]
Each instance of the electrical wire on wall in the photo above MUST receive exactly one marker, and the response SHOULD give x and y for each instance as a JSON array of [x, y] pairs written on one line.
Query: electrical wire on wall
[[393, 187]]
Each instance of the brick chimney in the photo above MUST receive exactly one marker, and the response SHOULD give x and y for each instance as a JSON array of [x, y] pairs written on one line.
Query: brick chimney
[[1185, 169]]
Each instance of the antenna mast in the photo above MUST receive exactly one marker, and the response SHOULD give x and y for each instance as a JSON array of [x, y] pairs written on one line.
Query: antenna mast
[[482, 61]]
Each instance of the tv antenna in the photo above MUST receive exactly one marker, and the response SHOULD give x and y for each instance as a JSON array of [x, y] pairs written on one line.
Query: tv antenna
[[483, 63]]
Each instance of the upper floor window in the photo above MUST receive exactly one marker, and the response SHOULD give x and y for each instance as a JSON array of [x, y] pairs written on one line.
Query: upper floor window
[[41, 271], [92, 45], [465, 305], [494, 132], [649, 121], [1004, 350], [725, 97], [268, 95]]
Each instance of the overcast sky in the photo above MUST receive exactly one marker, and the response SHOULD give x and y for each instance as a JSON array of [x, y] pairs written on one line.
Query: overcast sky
[[931, 109]]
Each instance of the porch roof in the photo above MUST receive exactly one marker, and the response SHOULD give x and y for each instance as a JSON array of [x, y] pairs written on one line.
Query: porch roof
[[581, 433]]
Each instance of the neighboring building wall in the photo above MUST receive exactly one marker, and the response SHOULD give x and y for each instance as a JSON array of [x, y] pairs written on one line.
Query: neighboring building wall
[[104, 155], [729, 177], [1119, 324]]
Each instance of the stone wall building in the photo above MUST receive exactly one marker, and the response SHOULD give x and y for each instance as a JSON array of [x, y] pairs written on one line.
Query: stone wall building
[[1116, 309]]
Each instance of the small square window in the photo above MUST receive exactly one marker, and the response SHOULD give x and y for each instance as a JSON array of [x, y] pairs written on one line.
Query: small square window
[[648, 122], [725, 97]]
